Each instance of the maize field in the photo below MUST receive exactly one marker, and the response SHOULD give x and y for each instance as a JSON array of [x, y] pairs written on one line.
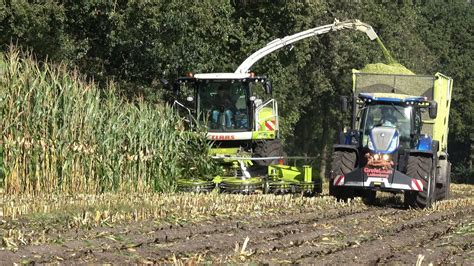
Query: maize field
[[88, 177], [61, 134]]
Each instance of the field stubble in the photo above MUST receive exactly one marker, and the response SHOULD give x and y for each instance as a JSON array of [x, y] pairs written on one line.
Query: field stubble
[[186, 228]]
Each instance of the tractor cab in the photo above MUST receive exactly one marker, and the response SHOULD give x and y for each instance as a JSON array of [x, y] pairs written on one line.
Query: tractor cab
[[232, 105], [389, 121]]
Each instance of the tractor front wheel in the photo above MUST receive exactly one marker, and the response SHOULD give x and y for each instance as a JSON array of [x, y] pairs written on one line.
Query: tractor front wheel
[[343, 162], [420, 167], [369, 197]]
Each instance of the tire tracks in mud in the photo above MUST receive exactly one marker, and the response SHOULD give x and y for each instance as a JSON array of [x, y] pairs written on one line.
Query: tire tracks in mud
[[400, 244], [151, 240], [303, 240], [219, 242], [221, 245], [358, 233], [445, 246]]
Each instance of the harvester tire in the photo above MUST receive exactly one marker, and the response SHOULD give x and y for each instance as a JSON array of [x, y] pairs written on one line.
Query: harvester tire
[[420, 167], [269, 148], [443, 192], [342, 163]]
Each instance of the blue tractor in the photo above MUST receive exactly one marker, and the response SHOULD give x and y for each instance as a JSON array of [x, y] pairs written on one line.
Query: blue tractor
[[397, 141]]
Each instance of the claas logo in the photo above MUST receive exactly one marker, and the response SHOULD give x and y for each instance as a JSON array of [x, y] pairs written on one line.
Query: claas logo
[[223, 137]]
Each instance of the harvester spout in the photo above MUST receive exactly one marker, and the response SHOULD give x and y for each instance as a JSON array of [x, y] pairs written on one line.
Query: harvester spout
[[356, 25], [280, 43]]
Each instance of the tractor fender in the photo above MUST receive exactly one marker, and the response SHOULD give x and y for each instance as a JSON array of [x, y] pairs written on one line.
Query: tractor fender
[[426, 153], [432, 152], [345, 147]]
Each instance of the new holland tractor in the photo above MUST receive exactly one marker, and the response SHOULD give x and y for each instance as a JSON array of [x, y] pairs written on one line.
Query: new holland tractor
[[397, 141], [243, 122]]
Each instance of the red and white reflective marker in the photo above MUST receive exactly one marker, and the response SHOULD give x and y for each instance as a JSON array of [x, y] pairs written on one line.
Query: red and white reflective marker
[[270, 125], [339, 180], [416, 185]]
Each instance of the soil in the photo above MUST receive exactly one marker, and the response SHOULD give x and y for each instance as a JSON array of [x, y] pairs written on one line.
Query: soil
[[384, 233]]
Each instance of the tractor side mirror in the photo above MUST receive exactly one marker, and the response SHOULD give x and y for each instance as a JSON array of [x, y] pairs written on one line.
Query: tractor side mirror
[[433, 109], [268, 87], [344, 104]]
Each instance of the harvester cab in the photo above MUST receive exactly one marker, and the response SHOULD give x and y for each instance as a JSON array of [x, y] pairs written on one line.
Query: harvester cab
[[397, 141], [235, 107]]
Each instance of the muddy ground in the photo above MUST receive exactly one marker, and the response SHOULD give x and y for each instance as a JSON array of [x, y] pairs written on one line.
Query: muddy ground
[[384, 233]]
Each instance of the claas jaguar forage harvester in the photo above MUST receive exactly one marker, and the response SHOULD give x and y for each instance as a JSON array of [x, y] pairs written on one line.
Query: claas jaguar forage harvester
[[243, 122]]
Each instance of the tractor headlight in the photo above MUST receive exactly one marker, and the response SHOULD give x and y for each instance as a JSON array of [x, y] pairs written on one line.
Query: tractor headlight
[[376, 156], [385, 157], [370, 145]]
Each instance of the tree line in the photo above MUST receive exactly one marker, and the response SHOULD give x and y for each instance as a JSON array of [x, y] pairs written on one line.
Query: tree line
[[136, 43]]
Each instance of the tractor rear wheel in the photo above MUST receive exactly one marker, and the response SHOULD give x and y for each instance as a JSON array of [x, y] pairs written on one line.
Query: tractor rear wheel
[[420, 167], [343, 162], [268, 148]]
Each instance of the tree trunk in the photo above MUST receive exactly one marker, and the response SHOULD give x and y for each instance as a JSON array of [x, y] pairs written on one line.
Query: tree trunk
[[324, 144], [471, 163]]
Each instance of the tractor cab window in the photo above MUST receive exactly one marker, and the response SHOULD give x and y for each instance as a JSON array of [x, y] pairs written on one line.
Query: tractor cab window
[[389, 115], [224, 105]]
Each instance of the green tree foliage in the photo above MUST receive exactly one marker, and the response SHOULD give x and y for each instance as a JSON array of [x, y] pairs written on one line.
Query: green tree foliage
[[447, 32], [37, 25], [137, 43]]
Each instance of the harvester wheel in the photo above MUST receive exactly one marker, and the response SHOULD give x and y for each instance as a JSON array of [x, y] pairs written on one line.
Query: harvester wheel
[[268, 148], [342, 163], [420, 167], [442, 192]]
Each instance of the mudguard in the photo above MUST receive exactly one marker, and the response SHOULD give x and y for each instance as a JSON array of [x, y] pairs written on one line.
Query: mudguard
[[427, 153], [345, 147], [425, 144], [379, 179]]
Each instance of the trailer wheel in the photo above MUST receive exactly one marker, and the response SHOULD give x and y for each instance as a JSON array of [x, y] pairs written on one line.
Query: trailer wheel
[[342, 163], [269, 148], [443, 192], [420, 167]]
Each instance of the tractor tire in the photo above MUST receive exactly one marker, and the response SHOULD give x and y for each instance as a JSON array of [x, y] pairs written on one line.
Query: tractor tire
[[369, 197], [420, 167], [443, 192], [343, 162], [269, 148]]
